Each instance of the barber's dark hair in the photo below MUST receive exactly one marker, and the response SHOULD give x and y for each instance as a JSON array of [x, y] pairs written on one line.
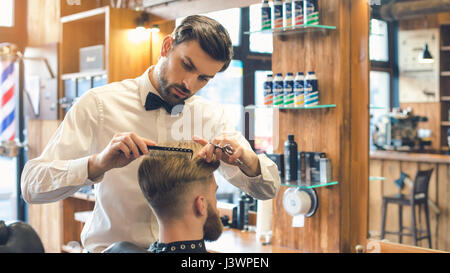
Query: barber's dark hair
[[212, 36]]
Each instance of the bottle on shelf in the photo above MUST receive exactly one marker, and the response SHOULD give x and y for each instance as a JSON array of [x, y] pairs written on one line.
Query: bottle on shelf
[[311, 90], [268, 90], [288, 89], [287, 10], [266, 16], [299, 90], [297, 10], [448, 140], [290, 159], [312, 12], [278, 93], [277, 14]]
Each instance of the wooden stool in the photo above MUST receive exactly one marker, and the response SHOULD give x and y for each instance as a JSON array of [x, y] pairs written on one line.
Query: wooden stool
[[418, 197]]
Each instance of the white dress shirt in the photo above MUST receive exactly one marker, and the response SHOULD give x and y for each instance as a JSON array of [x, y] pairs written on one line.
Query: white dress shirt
[[121, 212]]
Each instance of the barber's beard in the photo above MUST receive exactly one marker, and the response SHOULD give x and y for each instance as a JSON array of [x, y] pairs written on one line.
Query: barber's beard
[[213, 226], [167, 92]]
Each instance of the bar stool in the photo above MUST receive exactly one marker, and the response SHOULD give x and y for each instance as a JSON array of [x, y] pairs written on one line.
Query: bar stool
[[418, 197]]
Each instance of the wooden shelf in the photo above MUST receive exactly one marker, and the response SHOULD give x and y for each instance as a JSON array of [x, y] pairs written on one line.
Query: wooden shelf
[[83, 196], [290, 108], [445, 98], [445, 123], [311, 186], [293, 29], [445, 73], [445, 48], [82, 216], [85, 15], [69, 76]]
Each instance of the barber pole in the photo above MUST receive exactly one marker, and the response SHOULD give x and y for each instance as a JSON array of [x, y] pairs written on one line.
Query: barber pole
[[8, 103]]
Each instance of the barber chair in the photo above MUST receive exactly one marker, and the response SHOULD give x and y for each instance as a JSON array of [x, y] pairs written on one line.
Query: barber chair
[[19, 237]]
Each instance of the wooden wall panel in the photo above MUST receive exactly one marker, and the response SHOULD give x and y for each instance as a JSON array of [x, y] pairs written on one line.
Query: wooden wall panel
[[340, 60], [66, 9], [443, 238], [375, 198], [439, 193], [43, 22], [166, 28], [46, 219]]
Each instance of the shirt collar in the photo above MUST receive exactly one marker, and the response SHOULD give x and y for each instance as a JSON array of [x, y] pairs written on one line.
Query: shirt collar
[[146, 86]]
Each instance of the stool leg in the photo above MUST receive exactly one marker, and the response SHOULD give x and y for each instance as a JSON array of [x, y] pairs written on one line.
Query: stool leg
[[383, 219], [400, 223], [413, 223], [427, 219]]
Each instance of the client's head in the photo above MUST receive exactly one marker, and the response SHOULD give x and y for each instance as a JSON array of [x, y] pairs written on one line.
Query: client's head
[[179, 188]]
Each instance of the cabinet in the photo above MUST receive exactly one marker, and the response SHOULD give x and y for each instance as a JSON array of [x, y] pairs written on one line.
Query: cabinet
[[84, 26], [110, 28], [445, 85]]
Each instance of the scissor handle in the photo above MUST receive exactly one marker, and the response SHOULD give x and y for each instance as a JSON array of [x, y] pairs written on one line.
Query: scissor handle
[[228, 149]]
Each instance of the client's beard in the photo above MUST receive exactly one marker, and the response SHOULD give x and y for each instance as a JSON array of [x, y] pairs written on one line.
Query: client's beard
[[212, 229]]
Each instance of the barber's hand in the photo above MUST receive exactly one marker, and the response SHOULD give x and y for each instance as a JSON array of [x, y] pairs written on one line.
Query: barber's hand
[[248, 157], [121, 151]]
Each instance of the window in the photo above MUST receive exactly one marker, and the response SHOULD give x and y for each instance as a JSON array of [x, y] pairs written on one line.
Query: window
[[382, 72], [226, 89], [6, 13], [259, 42], [230, 19], [263, 128], [380, 89], [8, 189], [379, 41]]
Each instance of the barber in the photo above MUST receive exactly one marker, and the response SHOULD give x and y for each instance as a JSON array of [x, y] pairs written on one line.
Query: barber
[[99, 140]]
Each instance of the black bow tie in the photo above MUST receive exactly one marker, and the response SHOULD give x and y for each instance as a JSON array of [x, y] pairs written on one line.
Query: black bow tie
[[153, 102]]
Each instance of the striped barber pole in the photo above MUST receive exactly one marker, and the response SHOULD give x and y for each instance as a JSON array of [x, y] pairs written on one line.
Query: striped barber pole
[[8, 103]]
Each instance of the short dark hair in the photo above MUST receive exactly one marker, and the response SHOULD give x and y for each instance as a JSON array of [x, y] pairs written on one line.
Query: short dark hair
[[165, 178], [211, 35]]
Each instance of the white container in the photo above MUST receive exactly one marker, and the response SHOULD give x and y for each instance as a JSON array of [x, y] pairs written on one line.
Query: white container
[[278, 90], [288, 89], [299, 90]]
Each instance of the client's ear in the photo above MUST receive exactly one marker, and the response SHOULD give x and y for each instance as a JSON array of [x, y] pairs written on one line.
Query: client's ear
[[200, 205]]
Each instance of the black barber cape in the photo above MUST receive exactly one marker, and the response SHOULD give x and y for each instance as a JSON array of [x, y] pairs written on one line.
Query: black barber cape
[[197, 246]]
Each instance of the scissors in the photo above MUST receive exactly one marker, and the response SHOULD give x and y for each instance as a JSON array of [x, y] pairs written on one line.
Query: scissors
[[227, 149]]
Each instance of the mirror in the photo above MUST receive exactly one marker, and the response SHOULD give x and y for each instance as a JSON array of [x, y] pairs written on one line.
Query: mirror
[[408, 115]]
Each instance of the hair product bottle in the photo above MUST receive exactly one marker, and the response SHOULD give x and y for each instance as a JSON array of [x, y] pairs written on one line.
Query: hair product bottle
[[290, 159]]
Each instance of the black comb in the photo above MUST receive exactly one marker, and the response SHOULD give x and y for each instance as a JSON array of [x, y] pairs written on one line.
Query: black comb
[[169, 149]]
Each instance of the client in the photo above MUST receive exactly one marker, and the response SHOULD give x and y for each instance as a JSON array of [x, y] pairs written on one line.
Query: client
[[182, 193]]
